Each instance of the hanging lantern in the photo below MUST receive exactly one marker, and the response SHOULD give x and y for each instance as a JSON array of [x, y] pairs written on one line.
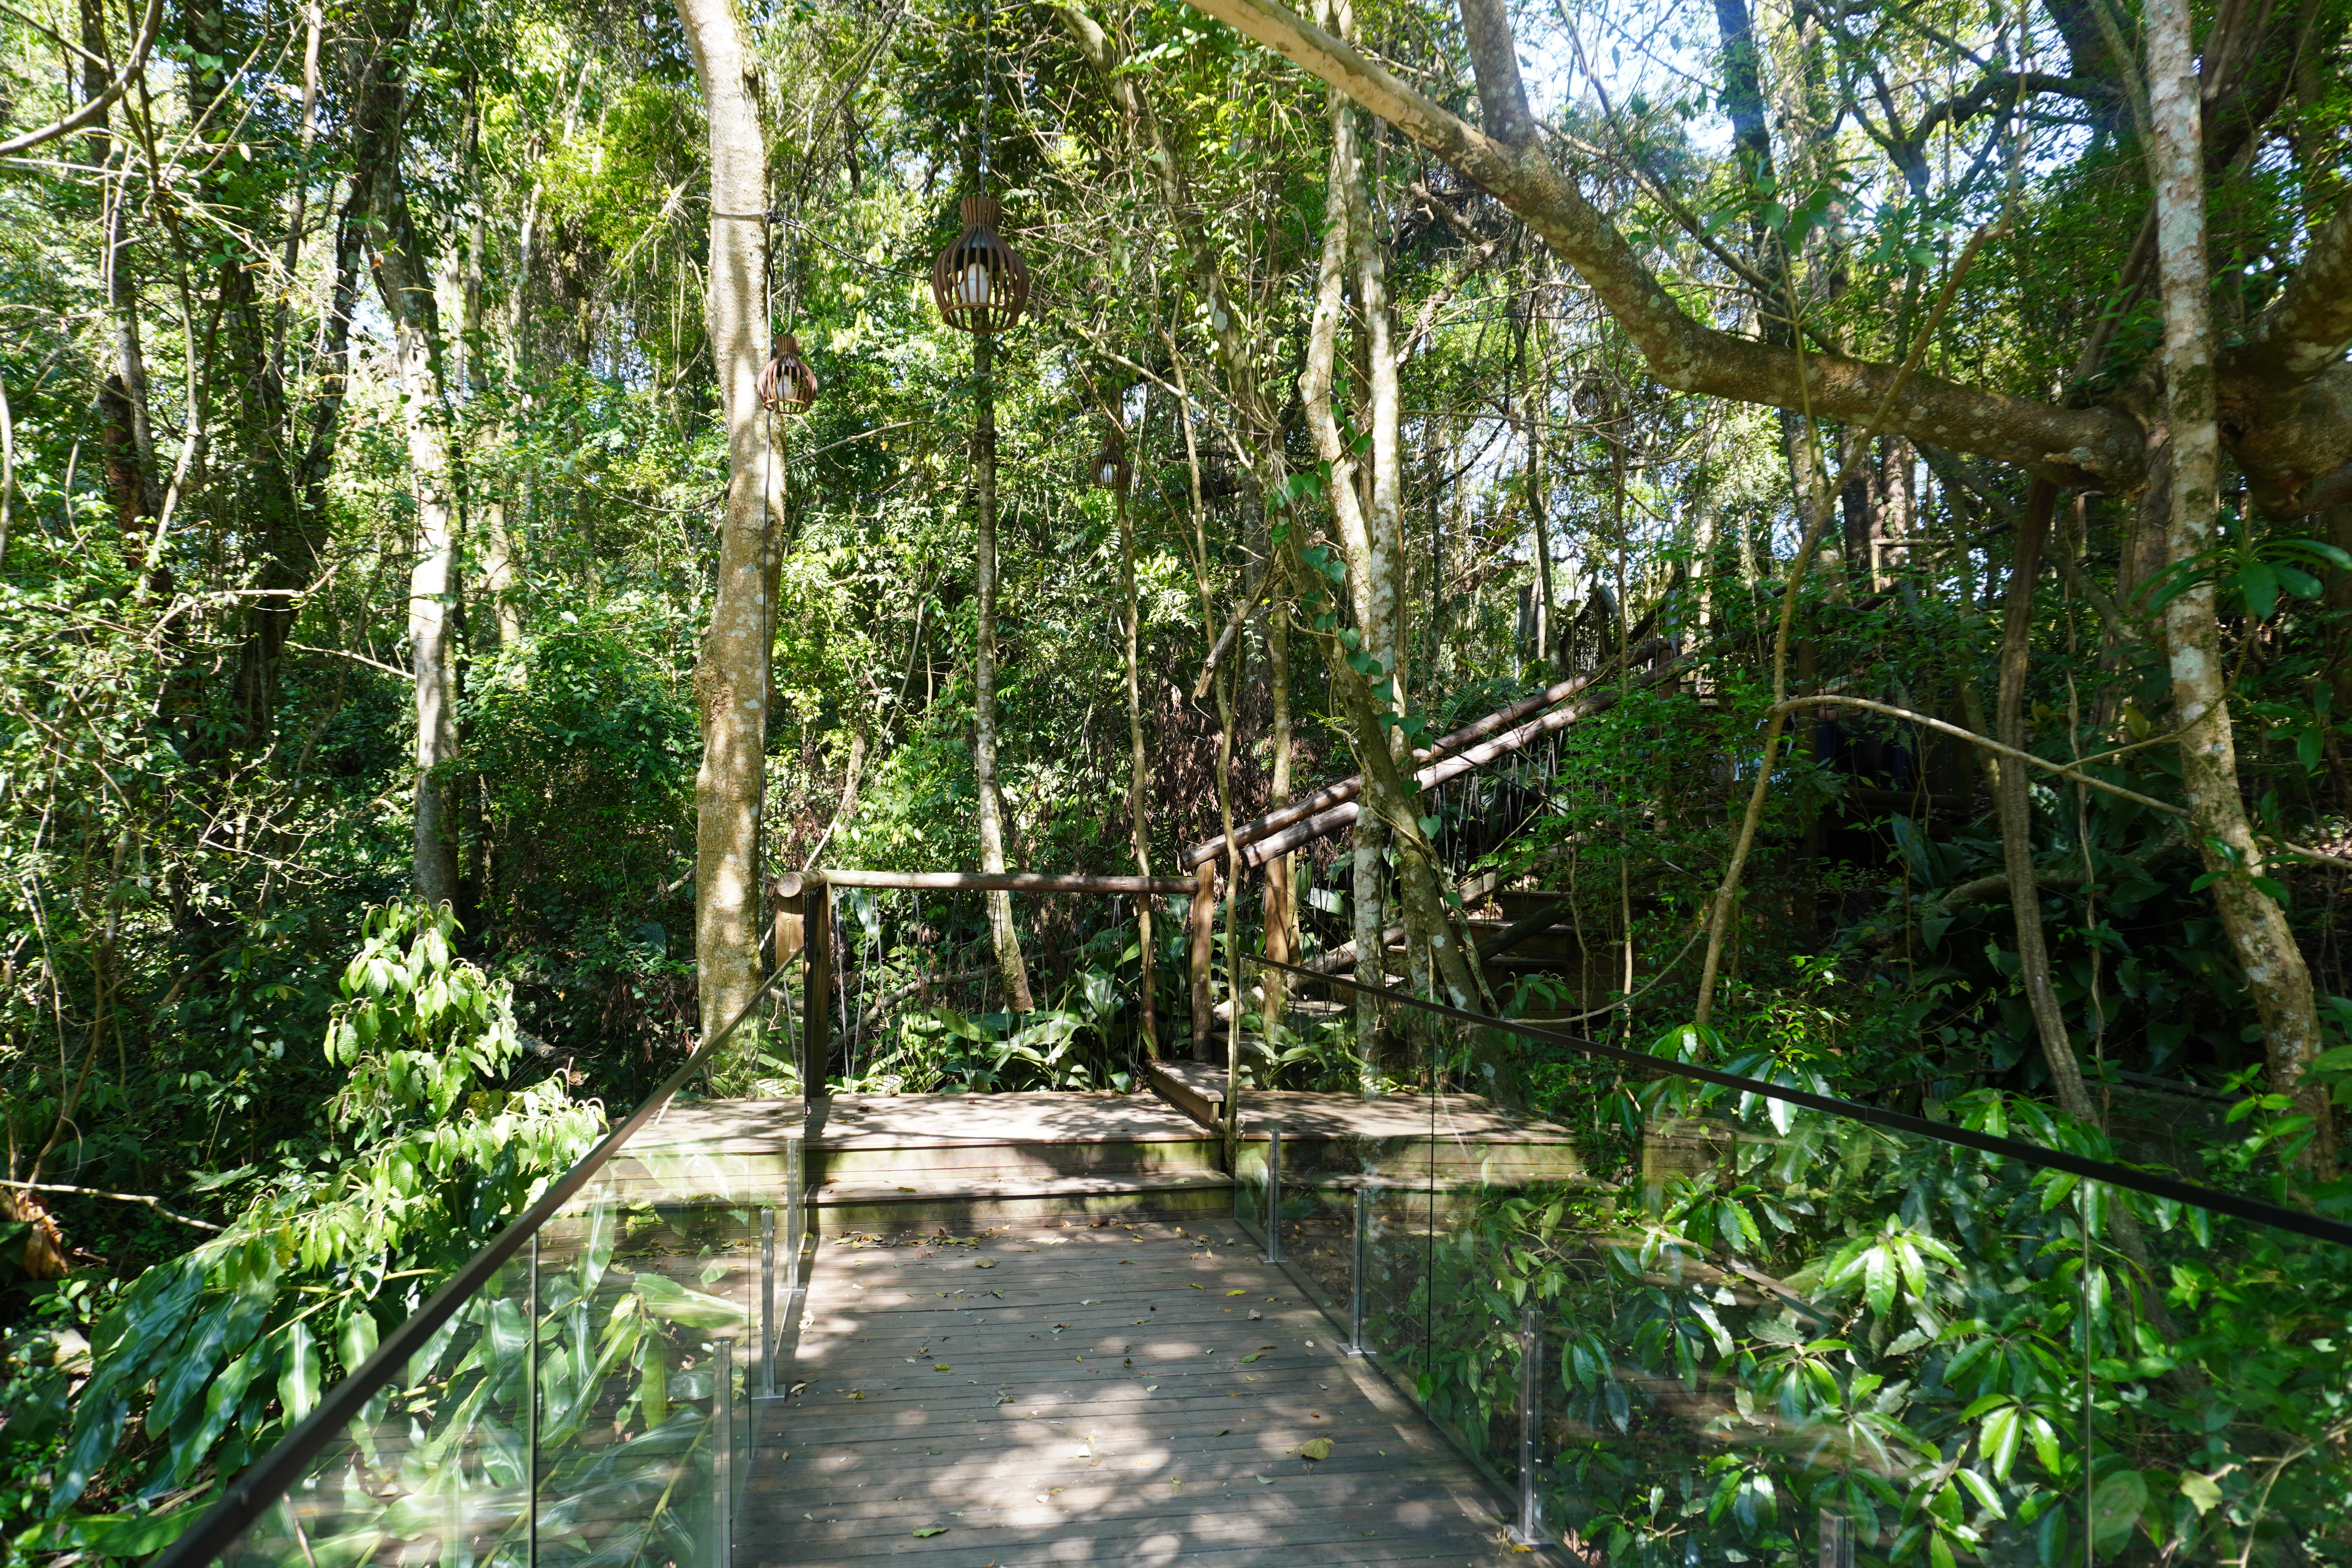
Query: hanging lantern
[[1107, 469], [980, 282], [788, 385]]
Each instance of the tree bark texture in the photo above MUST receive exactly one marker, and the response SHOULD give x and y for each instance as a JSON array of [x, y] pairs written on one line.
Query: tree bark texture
[[404, 282], [731, 678], [2259, 936], [1006, 940]]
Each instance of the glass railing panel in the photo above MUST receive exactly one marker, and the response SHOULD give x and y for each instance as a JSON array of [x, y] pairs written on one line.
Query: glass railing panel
[[436, 1469], [1782, 1335], [2221, 1402], [1348, 1195], [1682, 1321], [653, 1300], [630, 1364]]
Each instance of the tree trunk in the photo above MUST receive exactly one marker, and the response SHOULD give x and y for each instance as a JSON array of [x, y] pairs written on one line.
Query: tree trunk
[[1139, 774], [730, 678], [2256, 927], [1000, 930], [2014, 793], [404, 282], [1281, 914]]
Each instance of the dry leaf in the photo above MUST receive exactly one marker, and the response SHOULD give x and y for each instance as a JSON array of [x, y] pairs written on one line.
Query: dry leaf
[[1320, 1449]]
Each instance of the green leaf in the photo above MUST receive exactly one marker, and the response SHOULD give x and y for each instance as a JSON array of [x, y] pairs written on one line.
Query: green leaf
[[666, 1298], [1998, 1439], [297, 1371], [137, 1535], [1987, 1497], [930, 1529], [98, 1425], [2199, 1491], [2258, 580], [2116, 1506]]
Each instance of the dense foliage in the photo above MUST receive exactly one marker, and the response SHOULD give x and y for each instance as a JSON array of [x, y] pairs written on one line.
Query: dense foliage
[[1405, 448]]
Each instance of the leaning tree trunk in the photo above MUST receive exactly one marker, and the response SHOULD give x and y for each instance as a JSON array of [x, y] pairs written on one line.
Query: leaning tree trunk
[[730, 678], [1009, 962], [2254, 923], [2012, 792]]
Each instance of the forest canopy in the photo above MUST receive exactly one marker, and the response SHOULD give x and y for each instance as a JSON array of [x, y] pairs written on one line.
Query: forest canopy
[[489, 492]]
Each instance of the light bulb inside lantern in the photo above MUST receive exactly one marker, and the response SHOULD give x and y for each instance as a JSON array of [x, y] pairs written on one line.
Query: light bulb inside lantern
[[974, 290], [1107, 475]]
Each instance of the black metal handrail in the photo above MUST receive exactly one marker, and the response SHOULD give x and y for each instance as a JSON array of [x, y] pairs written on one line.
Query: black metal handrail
[[2257, 1210], [262, 1483]]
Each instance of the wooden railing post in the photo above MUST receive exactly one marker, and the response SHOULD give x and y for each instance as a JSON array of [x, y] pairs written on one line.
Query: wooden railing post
[[817, 993], [1202, 932], [785, 903]]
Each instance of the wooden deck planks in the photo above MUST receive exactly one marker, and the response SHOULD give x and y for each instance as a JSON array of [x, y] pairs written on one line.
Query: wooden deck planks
[[1105, 1439]]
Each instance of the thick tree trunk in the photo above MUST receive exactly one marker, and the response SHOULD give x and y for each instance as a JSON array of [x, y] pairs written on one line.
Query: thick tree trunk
[[2255, 925], [730, 678], [1007, 940], [404, 282]]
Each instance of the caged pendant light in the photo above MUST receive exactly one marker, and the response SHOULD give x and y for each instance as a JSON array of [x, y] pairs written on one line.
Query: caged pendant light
[[1108, 469], [788, 386], [980, 282]]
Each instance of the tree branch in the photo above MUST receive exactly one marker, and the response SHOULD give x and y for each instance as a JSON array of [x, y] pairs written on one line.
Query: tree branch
[[2094, 448], [120, 1197]]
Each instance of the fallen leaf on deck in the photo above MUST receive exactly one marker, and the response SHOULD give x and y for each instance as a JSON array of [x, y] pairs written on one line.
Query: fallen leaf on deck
[[1197, 1287], [985, 1263], [798, 1387], [1223, 1430], [941, 1366], [1320, 1449], [1255, 1314], [1236, 1293], [930, 1531], [1266, 1481], [1253, 1356]]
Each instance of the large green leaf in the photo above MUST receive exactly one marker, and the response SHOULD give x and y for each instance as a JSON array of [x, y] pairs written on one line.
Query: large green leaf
[[666, 1298]]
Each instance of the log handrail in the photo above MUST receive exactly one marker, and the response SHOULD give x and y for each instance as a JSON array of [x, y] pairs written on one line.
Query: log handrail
[[1333, 795], [976, 881]]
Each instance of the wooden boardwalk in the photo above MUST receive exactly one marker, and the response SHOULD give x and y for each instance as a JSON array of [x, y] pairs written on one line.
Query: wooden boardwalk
[[1075, 1394]]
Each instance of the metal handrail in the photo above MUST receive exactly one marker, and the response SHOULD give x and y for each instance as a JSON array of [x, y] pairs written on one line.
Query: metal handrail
[[2257, 1210], [262, 1483]]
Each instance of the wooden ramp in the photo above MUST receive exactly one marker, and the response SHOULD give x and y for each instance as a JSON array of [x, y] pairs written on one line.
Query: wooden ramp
[[1090, 1392]]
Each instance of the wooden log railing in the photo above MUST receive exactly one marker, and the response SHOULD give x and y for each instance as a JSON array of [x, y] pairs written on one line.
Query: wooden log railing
[[800, 906], [1333, 806]]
